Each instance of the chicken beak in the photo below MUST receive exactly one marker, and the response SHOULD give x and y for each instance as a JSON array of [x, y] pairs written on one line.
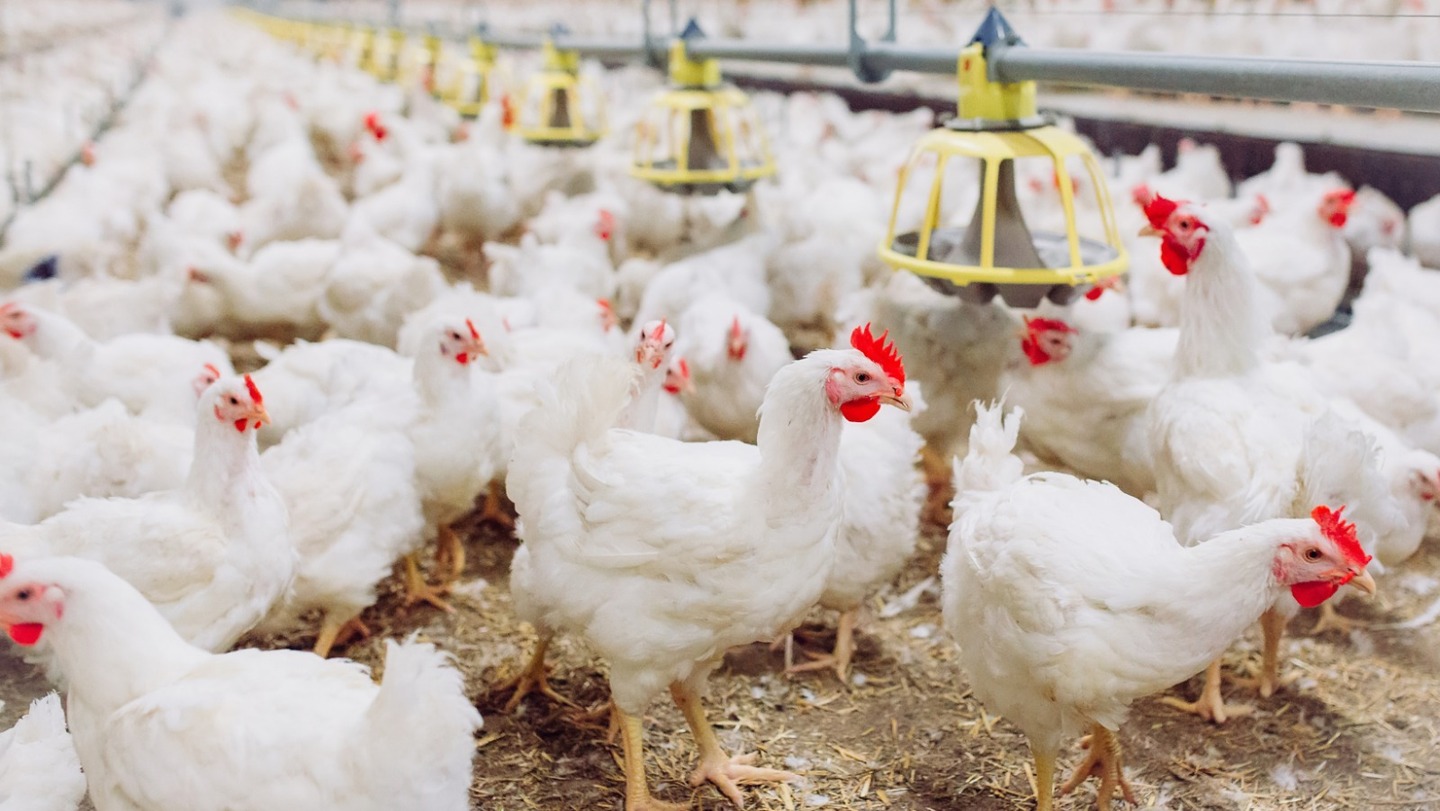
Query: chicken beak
[[260, 416], [1364, 582], [901, 401], [1149, 231]]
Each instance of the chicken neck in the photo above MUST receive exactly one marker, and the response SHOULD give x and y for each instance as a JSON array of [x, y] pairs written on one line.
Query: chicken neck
[[1222, 325], [58, 339]]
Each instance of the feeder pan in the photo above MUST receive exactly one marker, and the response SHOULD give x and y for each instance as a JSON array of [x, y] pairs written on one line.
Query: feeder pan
[[700, 135], [468, 89], [559, 107], [998, 253]]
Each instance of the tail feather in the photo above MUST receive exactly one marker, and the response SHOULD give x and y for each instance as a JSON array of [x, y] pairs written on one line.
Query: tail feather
[[421, 728], [991, 463], [581, 404]]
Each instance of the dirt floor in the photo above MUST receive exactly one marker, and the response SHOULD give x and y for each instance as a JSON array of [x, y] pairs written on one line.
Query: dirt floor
[[1358, 730]]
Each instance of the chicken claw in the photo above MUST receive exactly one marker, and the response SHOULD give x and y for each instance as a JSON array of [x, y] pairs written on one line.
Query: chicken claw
[[534, 678], [1333, 620], [419, 591], [1209, 705], [1269, 679], [493, 511], [1103, 760], [449, 555], [729, 773], [839, 658]]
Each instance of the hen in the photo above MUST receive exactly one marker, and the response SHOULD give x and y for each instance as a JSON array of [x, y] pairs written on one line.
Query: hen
[[39, 770], [161, 725], [212, 556], [664, 554], [1058, 642], [1301, 257]]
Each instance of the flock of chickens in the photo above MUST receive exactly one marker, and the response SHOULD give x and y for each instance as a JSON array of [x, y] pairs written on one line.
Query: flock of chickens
[[622, 365]]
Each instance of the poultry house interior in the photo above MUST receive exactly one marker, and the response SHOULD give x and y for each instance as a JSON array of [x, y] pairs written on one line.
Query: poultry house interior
[[439, 404]]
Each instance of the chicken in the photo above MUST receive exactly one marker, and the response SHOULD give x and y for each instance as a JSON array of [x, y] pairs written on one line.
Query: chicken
[[1088, 394], [1301, 257], [653, 550], [1058, 642], [308, 380], [214, 555], [161, 725], [373, 285], [39, 770], [148, 373], [731, 354], [277, 293], [1270, 446], [350, 525]]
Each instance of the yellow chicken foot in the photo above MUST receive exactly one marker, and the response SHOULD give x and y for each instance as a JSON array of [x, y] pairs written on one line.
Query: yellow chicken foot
[[334, 631], [1272, 627], [1333, 620], [726, 772], [637, 789], [419, 591], [1044, 780], [534, 678], [493, 509], [1103, 760], [1210, 706], [449, 557], [839, 658], [590, 718]]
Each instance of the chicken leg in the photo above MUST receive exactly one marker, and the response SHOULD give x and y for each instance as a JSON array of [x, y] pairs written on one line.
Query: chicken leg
[[1210, 706], [637, 788], [419, 591], [534, 677], [1044, 780], [492, 509], [1333, 620], [449, 557], [726, 772], [1272, 627], [839, 658], [1104, 761], [333, 631]]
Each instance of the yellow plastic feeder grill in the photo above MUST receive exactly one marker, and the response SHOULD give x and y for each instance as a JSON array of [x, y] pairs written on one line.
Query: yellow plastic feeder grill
[[468, 87], [700, 136], [559, 107], [417, 62], [998, 253], [385, 51]]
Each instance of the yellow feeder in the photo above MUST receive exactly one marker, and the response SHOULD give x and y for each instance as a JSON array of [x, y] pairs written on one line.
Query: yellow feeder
[[360, 49], [417, 62], [469, 88], [998, 252], [560, 107], [700, 136]]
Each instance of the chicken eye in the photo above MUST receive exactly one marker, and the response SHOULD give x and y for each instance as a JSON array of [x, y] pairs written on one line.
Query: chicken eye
[[1312, 554], [455, 335], [22, 594], [862, 377], [234, 401]]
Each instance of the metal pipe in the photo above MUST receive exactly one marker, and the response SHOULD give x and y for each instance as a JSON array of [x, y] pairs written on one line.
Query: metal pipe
[[1401, 85]]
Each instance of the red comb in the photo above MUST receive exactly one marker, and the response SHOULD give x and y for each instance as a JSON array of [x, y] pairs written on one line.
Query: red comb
[[1158, 209], [735, 328], [877, 349], [1341, 533], [474, 333], [210, 367], [1141, 194], [254, 390], [7, 564]]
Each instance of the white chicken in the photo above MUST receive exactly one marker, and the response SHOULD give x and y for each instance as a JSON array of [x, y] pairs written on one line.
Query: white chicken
[[161, 725], [1059, 643], [214, 555], [649, 548], [731, 354], [1088, 394], [39, 769], [1301, 257]]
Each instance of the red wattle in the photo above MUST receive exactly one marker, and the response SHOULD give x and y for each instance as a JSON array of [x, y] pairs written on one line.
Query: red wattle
[[462, 358], [1339, 218], [26, 633], [1314, 593], [1174, 257], [1094, 293], [860, 410], [1034, 353], [241, 425]]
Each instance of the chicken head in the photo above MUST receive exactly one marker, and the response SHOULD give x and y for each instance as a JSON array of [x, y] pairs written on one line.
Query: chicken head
[[1182, 233], [26, 606], [209, 375], [16, 321], [1335, 207], [860, 386], [237, 401], [656, 340], [1316, 566], [1046, 339], [460, 340]]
